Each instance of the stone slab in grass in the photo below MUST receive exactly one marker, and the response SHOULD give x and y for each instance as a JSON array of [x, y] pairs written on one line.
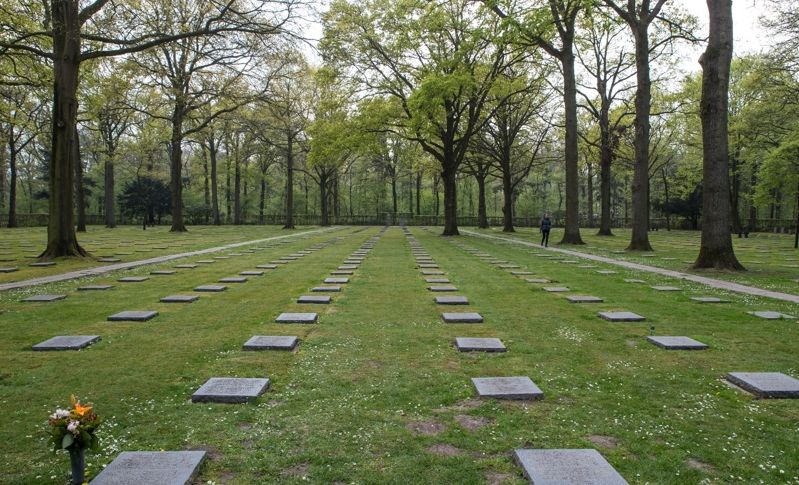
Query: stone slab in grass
[[341, 272], [432, 272], [266, 266], [180, 299], [462, 317], [268, 342], [326, 289], [766, 384], [251, 273], [161, 467], [633, 280], [436, 280], [314, 299], [230, 390], [211, 288], [133, 316], [451, 300], [352, 262], [708, 299], [621, 316], [42, 265], [133, 279], [538, 280], [521, 273], [233, 279], [442, 288], [516, 388], [297, 318], [44, 298], [584, 299], [95, 287], [677, 343], [336, 281], [206, 261], [769, 315], [566, 466], [109, 260], [666, 288], [8, 270], [185, 266], [345, 267], [606, 271], [556, 289], [428, 266], [67, 342], [163, 272], [469, 344]]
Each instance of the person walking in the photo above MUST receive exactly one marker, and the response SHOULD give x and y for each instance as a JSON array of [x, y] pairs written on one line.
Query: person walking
[[546, 225]]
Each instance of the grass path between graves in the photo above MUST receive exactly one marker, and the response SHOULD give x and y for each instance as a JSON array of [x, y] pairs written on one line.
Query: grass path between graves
[[376, 392]]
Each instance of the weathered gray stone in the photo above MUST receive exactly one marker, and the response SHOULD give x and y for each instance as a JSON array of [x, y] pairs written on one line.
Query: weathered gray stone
[[621, 316], [326, 289], [314, 299], [451, 300], [521, 273], [233, 279], [185, 266], [95, 287], [133, 316], [666, 288], [606, 271], [67, 342], [567, 467], [251, 273], [8, 270], [462, 317], [469, 344], [584, 299], [766, 384], [345, 267], [263, 342], [708, 299], [437, 280], [768, 315], [432, 272], [42, 265], [297, 318], [266, 266], [341, 272], [151, 467], [538, 280], [336, 281], [442, 288], [516, 387], [230, 390], [163, 272], [633, 280], [133, 279], [109, 260], [556, 289], [677, 343], [44, 298], [180, 299], [428, 265], [206, 261], [211, 288]]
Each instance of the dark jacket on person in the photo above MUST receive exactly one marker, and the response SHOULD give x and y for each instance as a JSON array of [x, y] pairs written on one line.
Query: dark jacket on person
[[546, 224]]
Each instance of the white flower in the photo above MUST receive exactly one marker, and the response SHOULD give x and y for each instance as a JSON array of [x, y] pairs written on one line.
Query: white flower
[[60, 413], [73, 426]]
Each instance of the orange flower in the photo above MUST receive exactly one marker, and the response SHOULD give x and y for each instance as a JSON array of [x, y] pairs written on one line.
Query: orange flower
[[80, 409]]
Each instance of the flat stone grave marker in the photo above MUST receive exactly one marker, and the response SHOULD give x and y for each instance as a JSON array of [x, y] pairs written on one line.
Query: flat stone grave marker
[[44, 298], [451, 300], [206, 261], [516, 388], [666, 288], [768, 315], [342, 272], [633, 280], [442, 288], [264, 342], [508, 266], [266, 266], [211, 288], [462, 317], [133, 316], [230, 390], [233, 279], [235, 254], [109, 260], [538, 280], [42, 265], [432, 272], [185, 266], [567, 466], [708, 299], [766, 384], [95, 287], [521, 273], [8, 270], [161, 467], [556, 289], [584, 299], [469, 344], [133, 279], [67, 342], [587, 266], [428, 265], [336, 281], [326, 289], [352, 262], [297, 318], [621, 316], [314, 299], [348, 267], [497, 261], [251, 273], [163, 272], [180, 299], [279, 261], [436, 280], [606, 271], [677, 343]]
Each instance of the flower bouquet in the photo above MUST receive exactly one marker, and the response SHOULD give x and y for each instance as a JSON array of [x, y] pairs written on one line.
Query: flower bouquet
[[74, 430]]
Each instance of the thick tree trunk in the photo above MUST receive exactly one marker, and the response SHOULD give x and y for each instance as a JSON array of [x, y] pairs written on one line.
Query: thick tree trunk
[[448, 176], [418, 193], [108, 192], [262, 199], [716, 249], [639, 240], [437, 196], [176, 168], [590, 194], [212, 151], [228, 192], [206, 183], [482, 213], [571, 235], [80, 191], [336, 208], [12, 188], [289, 183], [394, 192], [507, 201], [323, 200], [61, 238]]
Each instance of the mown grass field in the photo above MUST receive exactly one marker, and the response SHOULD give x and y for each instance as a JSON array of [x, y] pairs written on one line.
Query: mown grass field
[[376, 393]]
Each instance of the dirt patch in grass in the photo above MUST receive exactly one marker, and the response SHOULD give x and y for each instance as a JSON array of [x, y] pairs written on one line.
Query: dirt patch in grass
[[464, 405], [497, 478], [226, 477], [298, 470], [426, 428], [695, 464], [445, 450], [472, 422], [608, 442]]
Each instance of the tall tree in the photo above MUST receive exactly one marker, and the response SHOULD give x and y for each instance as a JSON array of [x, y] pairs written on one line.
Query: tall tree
[[716, 249]]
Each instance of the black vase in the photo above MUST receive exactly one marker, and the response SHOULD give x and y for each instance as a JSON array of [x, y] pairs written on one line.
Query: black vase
[[78, 461]]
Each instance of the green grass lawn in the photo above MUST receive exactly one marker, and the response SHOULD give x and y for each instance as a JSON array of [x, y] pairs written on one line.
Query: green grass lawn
[[376, 392]]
